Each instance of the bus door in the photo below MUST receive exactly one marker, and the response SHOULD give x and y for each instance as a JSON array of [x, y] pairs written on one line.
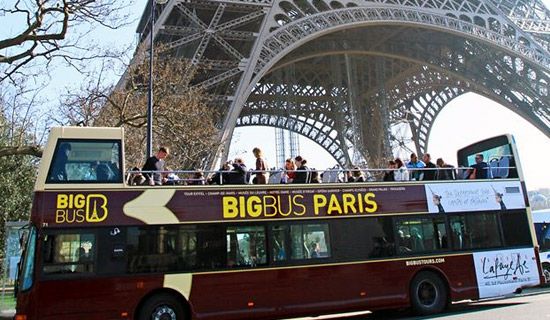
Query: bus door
[[67, 269]]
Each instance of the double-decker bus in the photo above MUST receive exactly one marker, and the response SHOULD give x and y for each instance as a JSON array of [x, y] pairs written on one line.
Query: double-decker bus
[[100, 249]]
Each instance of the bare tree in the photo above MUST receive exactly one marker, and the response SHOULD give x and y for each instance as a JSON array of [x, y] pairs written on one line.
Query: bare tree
[[55, 28], [19, 119], [183, 119]]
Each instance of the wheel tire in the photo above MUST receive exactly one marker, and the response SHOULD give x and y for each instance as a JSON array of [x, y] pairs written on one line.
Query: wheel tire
[[162, 306], [546, 273], [428, 293]]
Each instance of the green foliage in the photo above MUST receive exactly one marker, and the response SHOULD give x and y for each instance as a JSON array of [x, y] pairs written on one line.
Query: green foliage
[[17, 172], [17, 176]]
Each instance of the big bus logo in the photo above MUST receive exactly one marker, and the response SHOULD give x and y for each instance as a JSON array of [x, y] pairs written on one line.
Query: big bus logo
[[78, 208]]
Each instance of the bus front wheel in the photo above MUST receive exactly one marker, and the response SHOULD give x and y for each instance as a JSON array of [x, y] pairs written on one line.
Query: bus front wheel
[[428, 293], [162, 306]]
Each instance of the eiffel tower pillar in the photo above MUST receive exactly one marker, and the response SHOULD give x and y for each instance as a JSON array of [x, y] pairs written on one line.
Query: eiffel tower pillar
[[410, 59]]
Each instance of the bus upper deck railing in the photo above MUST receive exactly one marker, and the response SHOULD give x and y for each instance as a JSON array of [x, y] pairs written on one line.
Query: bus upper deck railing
[[333, 175]]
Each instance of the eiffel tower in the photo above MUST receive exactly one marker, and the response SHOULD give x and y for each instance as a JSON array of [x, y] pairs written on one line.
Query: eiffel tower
[[344, 73]]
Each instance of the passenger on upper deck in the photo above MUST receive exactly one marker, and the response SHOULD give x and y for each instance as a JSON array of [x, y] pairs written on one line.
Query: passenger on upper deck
[[136, 179], [358, 175], [197, 179], [288, 176], [102, 171], [479, 169], [401, 173], [156, 163], [446, 171], [261, 165], [431, 172], [59, 171], [414, 164], [302, 173], [222, 176], [239, 174], [349, 176], [389, 175], [171, 178]]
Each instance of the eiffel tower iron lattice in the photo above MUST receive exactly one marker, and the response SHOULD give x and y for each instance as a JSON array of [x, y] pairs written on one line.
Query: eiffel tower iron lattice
[[359, 68]]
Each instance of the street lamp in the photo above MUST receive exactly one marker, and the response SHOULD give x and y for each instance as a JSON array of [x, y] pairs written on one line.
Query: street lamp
[[150, 94]]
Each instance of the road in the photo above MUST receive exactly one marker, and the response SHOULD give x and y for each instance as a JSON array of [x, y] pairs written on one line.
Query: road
[[533, 304]]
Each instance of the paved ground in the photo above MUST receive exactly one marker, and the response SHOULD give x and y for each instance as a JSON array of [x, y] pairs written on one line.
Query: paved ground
[[8, 314]]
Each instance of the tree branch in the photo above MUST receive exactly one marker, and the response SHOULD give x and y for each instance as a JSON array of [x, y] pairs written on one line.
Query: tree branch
[[26, 150]]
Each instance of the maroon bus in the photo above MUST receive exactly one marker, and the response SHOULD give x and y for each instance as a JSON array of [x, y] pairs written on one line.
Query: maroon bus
[[98, 248]]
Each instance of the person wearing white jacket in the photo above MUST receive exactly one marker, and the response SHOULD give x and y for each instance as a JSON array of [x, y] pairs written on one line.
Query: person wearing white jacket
[[401, 173]]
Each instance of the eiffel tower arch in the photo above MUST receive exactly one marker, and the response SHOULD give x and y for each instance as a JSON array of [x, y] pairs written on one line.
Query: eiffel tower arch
[[344, 72]]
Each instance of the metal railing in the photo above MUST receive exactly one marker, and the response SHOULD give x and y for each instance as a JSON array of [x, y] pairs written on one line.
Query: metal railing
[[332, 175]]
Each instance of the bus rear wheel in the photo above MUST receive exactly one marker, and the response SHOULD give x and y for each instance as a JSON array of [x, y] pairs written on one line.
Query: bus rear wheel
[[162, 306], [428, 293]]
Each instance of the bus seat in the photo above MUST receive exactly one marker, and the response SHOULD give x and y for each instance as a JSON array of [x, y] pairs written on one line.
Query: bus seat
[[326, 176], [493, 168], [275, 178], [503, 165]]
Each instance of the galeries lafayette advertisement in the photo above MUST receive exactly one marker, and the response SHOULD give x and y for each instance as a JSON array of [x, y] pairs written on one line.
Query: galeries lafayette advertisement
[[502, 272]]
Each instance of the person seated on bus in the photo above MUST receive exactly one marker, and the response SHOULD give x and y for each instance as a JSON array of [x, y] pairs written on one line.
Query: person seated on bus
[[400, 173], [222, 175], [479, 169], [239, 174], [197, 179], [302, 173], [289, 173], [136, 178], [170, 178], [315, 251], [348, 176], [445, 171], [403, 242], [102, 171], [59, 171], [430, 173], [358, 175], [416, 240], [413, 164], [389, 174]]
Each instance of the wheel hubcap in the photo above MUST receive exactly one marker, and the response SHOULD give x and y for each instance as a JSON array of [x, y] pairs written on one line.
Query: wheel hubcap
[[427, 293], [163, 313]]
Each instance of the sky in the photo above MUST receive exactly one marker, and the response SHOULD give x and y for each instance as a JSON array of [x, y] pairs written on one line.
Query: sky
[[464, 120]]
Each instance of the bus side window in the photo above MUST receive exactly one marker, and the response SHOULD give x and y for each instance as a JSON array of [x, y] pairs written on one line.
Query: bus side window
[[421, 235], [475, 231], [310, 241], [68, 253], [279, 249], [246, 246]]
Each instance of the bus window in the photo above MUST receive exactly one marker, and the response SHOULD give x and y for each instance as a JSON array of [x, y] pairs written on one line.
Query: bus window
[[68, 253], [419, 235], [543, 236], [161, 249], [246, 246], [280, 243], [86, 161], [475, 231], [310, 241], [497, 153], [515, 228]]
